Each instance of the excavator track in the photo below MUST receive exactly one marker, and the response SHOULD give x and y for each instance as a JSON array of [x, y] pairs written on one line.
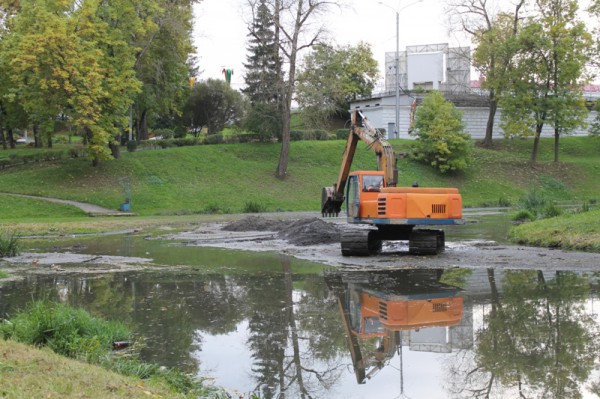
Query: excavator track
[[360, 243], [426, 242]]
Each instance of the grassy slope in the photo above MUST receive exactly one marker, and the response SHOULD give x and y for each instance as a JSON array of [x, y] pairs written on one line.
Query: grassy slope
[[27, 372], [226, 177], [572, 231]]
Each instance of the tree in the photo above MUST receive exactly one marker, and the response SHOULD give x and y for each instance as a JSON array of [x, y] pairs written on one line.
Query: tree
[[547, 75], [293, 21], [214, 104], [494, 36], [65, 59], [263, 72], [333, 77], [441, 141], [161, 65], [263, 64]]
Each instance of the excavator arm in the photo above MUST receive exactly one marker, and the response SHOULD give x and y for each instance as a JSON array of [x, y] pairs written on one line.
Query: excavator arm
[[333, 197]]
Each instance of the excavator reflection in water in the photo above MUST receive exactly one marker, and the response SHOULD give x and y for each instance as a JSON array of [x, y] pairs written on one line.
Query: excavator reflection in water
[[383, 304]]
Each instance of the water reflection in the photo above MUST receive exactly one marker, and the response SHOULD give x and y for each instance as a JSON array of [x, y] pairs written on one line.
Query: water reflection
[[384, 310], [537, 339], [282, 329]]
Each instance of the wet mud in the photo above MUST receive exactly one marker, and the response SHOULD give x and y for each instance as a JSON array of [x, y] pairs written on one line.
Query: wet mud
[[318, 240], [313, 239]]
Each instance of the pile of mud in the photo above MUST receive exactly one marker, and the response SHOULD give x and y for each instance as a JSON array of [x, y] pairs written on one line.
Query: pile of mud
[[302, 232]]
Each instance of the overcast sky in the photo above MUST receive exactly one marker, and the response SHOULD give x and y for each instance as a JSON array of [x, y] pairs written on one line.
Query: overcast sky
[[220, 30]]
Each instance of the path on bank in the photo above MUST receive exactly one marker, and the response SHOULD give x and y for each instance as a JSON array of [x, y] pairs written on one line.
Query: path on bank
[[90, 209]]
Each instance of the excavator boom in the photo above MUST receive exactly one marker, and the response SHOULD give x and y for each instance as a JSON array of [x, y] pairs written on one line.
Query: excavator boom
[[360, 130]]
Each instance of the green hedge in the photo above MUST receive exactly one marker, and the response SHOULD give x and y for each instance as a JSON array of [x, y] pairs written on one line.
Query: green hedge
[[15, 159]]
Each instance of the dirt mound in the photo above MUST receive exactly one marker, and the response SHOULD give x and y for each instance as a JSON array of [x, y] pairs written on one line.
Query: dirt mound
[[300, 232], [256, 223], [310, 232]]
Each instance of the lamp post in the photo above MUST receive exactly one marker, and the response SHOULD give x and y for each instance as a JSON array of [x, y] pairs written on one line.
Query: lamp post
[[397, 11]]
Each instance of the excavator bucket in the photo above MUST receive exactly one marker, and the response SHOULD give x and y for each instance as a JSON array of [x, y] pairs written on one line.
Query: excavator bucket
[[330, 205]]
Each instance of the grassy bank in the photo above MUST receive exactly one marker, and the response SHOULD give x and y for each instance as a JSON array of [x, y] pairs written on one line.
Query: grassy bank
[[570, 231], [236, 177], [76, 334], [27, 372], [184, 185]]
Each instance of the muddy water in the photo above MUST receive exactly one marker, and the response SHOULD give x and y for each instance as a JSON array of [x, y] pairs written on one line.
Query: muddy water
[[271, 324]]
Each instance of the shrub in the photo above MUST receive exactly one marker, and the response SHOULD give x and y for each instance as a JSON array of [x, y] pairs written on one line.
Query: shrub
[[214, 139], [533, 201], [265, 121], [321, 135], [9, 244], [67, 331], [523, 215], [342, 134], [441, 141], [504, 202], [296, 135], [132, 145], [253, 207], [551, 211]]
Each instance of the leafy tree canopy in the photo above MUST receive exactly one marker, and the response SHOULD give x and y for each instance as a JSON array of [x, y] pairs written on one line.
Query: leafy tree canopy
[[331, 77], [441, 141], [215, 105]]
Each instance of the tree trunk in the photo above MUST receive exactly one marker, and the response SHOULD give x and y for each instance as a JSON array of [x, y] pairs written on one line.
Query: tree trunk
[[10, 137], [556, 143], [3, 137], [536, 142], [281, 172], [37, 136], [489, 129], [142, 130], [115, 150]]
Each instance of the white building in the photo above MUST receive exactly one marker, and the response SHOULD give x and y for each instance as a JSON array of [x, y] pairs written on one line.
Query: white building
[[436, 67]]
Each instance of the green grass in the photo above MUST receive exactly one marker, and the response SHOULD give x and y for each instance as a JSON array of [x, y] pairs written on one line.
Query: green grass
[[75, 333], [226, 178], [9, 243], [19, 208], [579, 231], [28, 372]]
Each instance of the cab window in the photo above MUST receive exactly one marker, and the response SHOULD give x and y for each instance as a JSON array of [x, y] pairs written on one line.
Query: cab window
[[372, 183]]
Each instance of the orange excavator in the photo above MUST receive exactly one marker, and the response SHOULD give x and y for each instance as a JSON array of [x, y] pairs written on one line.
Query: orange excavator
[[372, 198]]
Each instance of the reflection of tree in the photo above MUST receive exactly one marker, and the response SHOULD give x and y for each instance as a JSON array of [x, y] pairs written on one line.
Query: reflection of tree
[[537, 339], [291, 357]]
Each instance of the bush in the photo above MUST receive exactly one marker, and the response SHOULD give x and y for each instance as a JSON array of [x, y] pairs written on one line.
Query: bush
[[523, 215], [254, 207], [214, 139], [441, 141], [321, 135], [533, 201], [132, 145], [342, 134], [551, 211], [9, 244], [265, 121], [67, 331]]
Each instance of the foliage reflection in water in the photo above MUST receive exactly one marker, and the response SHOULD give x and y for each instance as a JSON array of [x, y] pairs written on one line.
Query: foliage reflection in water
[[377, 334]]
